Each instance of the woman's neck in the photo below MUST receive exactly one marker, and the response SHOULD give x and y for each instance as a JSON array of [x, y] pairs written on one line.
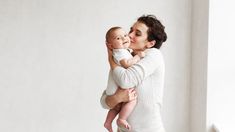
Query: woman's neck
[[136, 51]]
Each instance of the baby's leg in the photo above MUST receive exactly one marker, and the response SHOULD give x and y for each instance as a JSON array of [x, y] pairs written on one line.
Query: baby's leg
[[126, 110], [110, 117]]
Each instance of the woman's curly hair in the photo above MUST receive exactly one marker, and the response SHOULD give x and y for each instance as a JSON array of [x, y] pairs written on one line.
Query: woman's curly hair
[[156, 31]]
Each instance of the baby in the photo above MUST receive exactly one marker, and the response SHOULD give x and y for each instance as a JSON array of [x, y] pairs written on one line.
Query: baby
[[118, 40]]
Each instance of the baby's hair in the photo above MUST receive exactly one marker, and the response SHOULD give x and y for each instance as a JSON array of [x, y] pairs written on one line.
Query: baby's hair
[[109, 32]]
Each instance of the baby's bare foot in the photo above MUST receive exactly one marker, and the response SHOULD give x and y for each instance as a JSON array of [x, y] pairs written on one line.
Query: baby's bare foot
[[123, 124], [108, 126]]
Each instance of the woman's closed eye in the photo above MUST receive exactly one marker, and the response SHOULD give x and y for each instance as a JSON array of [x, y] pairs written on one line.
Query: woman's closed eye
[[138, 33]]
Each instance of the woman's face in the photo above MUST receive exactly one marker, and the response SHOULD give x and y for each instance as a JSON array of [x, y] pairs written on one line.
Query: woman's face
[[138, 36]]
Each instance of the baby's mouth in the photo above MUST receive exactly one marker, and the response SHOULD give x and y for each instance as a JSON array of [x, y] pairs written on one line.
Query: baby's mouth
[[125, 42]]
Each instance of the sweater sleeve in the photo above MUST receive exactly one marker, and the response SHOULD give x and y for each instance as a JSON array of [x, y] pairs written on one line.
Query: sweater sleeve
[[102, 101], [134, 75]]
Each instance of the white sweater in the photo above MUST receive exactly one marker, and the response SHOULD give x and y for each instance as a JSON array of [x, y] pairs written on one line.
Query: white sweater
[[148, 77]]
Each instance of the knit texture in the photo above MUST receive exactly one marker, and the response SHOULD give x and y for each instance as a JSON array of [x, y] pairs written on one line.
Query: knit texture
[[148, 77]]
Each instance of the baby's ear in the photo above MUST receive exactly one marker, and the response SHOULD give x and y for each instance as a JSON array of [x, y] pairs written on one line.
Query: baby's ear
[[109, 45]]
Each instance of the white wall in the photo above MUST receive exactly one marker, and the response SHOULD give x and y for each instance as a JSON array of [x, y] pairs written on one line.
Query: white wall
[[198, 90], [177, 53], [221, 63], [53, 64], [213, 62]]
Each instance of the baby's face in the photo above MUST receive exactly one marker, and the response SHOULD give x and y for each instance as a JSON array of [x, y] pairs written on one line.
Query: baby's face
[[119, 39]]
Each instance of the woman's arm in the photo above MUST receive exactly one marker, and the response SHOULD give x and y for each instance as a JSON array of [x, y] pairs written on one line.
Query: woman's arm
[[135, 74], [125, 84], [121, 95], [129, 62], [108, 102]]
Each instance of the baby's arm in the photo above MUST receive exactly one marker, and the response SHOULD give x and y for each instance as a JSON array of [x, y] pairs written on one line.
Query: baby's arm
[[129, 62]]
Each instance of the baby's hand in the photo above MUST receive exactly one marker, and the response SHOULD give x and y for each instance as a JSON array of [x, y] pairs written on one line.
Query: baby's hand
[[141, 54]]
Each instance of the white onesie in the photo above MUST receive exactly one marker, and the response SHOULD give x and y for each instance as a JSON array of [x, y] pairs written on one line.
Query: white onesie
[[118, 55]]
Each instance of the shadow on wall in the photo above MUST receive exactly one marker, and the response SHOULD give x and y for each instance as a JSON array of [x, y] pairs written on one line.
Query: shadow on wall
[[214, 128]]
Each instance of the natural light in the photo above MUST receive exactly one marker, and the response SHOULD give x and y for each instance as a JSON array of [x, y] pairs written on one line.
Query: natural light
[[221, 66]]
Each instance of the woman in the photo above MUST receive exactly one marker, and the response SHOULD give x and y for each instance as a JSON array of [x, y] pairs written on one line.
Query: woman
[[146, 76]]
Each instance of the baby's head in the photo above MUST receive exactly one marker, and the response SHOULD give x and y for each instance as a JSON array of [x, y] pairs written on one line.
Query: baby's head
[[117, 38]]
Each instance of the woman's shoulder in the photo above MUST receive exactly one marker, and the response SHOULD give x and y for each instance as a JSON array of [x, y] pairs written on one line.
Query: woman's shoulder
[[153, 51], [154, 54]]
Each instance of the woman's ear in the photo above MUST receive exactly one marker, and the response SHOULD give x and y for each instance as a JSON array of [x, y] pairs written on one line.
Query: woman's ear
[[151, 44]]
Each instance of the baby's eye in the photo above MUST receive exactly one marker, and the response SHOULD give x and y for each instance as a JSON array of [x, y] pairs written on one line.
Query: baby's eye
[[118, 38]]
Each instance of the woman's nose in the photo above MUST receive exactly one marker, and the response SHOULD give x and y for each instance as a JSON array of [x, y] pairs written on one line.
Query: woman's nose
[[130, 35]]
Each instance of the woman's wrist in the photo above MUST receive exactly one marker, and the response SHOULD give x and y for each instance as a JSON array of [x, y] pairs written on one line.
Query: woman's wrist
[[116, 98], [112, 100]]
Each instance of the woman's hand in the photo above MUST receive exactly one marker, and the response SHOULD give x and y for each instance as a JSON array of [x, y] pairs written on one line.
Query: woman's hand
[[121, 95], [125, 95], [141, 54]]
